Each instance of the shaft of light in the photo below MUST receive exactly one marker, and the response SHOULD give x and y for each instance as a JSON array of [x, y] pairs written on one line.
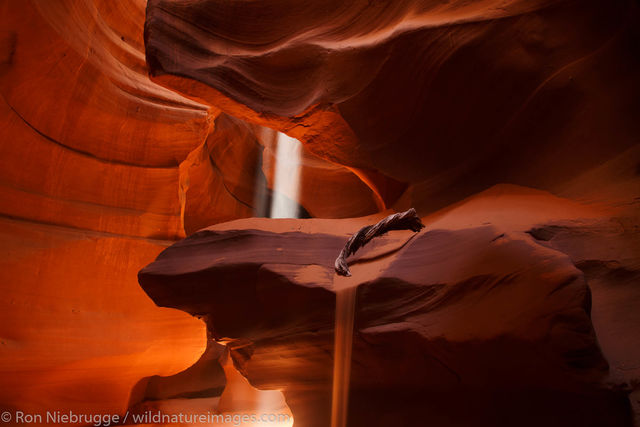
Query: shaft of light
[[286, 186]]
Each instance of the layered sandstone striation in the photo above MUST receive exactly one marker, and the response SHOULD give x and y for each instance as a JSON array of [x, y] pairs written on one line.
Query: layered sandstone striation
[[89, 156], [100, 170], [447, 97], [125, 126]]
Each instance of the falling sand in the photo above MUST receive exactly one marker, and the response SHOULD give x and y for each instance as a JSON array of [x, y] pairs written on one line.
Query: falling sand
[[372, 260], [345, 311]]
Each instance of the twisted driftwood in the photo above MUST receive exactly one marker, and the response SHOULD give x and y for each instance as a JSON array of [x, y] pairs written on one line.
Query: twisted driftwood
[[408, 220]]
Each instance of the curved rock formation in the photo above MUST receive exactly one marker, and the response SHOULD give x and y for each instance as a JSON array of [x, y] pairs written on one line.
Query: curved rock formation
[[481, 313], [398, 103], [231, 176], [452, 97], [101, 169], [90, 149]]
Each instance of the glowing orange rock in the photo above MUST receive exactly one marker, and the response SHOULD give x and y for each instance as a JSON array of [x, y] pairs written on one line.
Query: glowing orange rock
[[478, 311]]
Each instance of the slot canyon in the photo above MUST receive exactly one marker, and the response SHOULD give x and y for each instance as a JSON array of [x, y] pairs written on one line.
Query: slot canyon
[[178, 178]]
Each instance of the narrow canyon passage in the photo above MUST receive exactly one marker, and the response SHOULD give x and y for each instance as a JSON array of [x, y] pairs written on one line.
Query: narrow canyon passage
[[177, 179]]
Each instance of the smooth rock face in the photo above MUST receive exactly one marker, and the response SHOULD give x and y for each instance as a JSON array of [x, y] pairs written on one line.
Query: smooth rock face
[[100, 170], [77, 331], [452, 97], [481, 317], [231, 175], [89, 155], [103, 167]]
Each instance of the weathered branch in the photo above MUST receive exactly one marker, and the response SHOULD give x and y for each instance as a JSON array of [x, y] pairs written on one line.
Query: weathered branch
[[408, 220]]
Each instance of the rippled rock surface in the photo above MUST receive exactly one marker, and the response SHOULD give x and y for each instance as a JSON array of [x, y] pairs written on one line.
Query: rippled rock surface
[[476, 316]]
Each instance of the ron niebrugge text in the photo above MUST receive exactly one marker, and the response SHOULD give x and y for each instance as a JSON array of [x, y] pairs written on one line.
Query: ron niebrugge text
[[60, 417], [148, 417]]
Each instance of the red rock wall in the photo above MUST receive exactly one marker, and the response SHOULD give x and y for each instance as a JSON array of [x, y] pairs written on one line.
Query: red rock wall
[[102, 167], [452, 97], [89, 156]]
